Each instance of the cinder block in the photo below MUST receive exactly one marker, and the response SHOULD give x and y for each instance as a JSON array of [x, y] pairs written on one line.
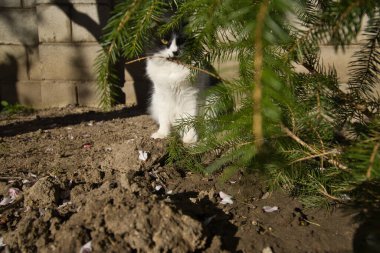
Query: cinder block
[[68, 61], [34, 64], [18, 26], [88, 28], [339, 60], [28, 3], [53, 23], [10, 3], [130, 93], [228, 70], [88, 94], [23, 92], [58, 93], [13, 63]]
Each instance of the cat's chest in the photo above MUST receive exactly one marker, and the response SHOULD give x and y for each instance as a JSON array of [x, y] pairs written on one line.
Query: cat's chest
[[165, 72]]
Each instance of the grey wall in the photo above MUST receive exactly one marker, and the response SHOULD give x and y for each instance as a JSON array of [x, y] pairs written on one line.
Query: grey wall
[[47, 52]]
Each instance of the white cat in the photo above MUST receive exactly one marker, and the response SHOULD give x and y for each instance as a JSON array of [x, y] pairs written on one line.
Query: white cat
[[174, 97]]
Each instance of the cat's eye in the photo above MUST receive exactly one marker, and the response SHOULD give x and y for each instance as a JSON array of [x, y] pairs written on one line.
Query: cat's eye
[[165, 42]]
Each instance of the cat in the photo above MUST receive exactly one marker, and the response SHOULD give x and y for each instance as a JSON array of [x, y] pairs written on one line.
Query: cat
[[174, 96]]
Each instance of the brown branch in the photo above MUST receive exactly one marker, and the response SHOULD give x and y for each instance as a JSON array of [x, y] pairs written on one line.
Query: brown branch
[[331, 152], [326, 194], [178, 62], [312, 150], [372, 159], [257, 128]]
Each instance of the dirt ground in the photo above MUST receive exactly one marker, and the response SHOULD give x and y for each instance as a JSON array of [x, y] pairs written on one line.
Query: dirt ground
[[77, 177]]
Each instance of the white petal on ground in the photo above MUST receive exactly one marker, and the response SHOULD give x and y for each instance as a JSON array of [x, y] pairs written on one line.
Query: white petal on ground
[[5, 201], [143, 155], [270, 209], [12, 195], [226, 199], [2, 242], [65, 203], [86, 248], [169, 192], [158, 187], [13, 192], [267, 250]]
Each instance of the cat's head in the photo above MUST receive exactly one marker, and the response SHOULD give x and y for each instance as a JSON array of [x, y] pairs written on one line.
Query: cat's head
[[169, 46]]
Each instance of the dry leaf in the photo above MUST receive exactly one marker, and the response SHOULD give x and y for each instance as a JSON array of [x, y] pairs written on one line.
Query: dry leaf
[[270, 209], [86, 248], [143, 155], [226, 199]]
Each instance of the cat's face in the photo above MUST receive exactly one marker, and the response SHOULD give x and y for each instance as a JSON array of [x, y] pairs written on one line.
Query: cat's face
[[170, 46]]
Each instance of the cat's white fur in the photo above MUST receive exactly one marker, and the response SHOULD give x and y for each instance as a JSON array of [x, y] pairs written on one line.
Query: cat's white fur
[[174, 97]]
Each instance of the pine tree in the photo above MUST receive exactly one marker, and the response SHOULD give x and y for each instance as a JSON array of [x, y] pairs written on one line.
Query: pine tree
[[300, 129]]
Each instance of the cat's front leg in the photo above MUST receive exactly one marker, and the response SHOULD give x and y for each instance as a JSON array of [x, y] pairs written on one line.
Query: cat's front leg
[[164, 128]]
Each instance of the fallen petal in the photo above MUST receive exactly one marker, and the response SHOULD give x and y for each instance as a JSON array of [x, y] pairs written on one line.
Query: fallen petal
[[267, 250], [13, 192], [2, 242], [224, 195], [169, 192], [86, 248], [143, 155], [158, 187], [5, 201], [64, 204], [87, 145], [270, 209], [226, 199]]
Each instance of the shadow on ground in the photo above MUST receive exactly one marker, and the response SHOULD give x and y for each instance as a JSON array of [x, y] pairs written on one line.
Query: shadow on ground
[[367, 205], [215, 221], [50, 122]]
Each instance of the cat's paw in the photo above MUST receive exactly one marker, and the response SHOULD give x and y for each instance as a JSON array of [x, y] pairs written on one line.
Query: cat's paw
[[159, 135], [190, 138]]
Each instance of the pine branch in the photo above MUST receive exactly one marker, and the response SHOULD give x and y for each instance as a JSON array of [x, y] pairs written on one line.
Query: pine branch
[[364, 67]]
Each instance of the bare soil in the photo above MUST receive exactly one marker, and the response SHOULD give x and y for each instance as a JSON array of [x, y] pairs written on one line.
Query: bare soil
[[81, 179]]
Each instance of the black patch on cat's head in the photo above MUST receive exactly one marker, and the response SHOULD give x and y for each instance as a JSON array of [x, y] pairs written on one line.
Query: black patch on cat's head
[[159, 42]]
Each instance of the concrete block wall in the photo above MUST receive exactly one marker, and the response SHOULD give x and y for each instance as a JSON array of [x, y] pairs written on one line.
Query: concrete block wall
[[47, 52]]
